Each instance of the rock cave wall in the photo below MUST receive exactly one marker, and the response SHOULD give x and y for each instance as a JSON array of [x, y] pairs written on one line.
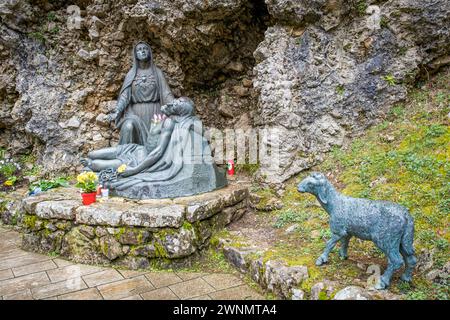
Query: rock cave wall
[[318, 71]]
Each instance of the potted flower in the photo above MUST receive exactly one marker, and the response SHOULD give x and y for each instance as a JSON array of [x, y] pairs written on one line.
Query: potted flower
[[87, 181]]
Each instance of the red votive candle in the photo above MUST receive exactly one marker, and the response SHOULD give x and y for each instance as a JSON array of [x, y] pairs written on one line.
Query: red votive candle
[[230, 167]]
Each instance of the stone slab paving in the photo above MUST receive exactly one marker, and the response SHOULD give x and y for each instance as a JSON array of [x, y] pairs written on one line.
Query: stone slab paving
[[30, 276]]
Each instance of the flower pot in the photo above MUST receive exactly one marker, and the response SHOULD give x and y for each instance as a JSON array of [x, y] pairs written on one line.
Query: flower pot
[[88, 198]]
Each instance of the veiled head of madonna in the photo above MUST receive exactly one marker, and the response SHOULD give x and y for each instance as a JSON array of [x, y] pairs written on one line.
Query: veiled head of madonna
[[142, 51]]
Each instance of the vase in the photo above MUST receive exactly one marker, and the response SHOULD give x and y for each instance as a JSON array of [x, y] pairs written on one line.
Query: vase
[[88, 198]]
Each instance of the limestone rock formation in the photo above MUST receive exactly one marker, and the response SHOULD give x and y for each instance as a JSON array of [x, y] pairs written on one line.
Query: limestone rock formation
[[328, 69]]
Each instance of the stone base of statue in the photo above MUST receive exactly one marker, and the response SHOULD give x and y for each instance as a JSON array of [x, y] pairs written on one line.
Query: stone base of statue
[[193, 179], [135, 234]]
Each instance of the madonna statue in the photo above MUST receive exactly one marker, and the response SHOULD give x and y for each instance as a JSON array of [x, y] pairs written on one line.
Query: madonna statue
[[143, 92]]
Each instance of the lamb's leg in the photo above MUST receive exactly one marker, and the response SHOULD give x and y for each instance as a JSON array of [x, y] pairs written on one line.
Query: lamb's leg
[[395, 262], [330, 245], [407, 250], [411, 262], [344, 247]]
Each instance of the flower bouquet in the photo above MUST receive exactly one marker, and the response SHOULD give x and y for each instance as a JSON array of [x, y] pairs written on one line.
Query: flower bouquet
[[87, 181]]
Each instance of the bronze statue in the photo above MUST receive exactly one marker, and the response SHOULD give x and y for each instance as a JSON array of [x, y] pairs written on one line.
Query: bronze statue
[[174, 161], [143, 93], [389, 225]]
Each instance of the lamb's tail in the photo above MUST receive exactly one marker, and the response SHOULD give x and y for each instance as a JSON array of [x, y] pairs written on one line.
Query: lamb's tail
[[408, 237]]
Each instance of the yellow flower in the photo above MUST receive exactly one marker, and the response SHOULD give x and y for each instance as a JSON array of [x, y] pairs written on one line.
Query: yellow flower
[[80, 178], [91, 176], [8, 183], [121, 168], [87, 177]]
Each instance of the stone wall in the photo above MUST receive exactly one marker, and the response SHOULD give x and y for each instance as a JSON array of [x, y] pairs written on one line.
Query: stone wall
[[134, 234]]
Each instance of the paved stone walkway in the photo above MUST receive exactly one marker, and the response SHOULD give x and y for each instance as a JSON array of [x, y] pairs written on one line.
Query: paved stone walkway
[[26, 275]]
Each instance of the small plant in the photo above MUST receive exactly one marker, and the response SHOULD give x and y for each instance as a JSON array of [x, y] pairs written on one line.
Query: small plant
[[340, 90], [45, 185], [9, 172], [416, 295], [398, 111], [54, 30], [435, 130], [11, 181], [383, 22], [53, 254], [87, 181], [250, 168], [442, 98], [402, 50], [325, 234], [51, 16], [8, 167], [361, 7], [390, 80], [290, 216], [38, 36]]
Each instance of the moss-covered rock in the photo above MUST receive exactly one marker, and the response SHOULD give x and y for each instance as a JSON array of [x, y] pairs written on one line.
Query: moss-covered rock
[[110, 247], [80, 248]]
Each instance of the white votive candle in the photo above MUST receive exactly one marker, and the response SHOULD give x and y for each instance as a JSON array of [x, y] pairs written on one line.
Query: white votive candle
[[105, 193]]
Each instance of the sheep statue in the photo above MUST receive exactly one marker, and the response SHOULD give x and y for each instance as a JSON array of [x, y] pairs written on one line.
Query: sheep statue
[[387, 224]]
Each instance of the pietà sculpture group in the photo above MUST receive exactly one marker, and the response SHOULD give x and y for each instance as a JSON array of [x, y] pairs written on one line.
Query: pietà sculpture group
[[161, 140]]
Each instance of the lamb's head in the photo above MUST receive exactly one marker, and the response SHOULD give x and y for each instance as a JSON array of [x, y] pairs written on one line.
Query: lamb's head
[[317, 184]]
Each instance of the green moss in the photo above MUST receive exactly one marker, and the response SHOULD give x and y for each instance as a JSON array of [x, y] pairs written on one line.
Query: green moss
[[160, 250], [163, 233], [323, 295], [118, 233], [384, 22], [38, 36], [53, 254], [340, 89], [51, 16], [29, 221], [3, 206], [104, 247], [390, 80], [233, 240], [15, 218], [46, 232], [140, 237], [289, 216], [214, 241], [265, 195], [187, 226], [249, 168]]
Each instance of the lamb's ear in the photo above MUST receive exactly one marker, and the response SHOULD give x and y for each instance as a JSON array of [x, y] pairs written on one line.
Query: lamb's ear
[[323, 193]]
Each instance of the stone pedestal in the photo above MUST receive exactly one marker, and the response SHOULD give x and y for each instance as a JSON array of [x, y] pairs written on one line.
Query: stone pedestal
[[130, 233]]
